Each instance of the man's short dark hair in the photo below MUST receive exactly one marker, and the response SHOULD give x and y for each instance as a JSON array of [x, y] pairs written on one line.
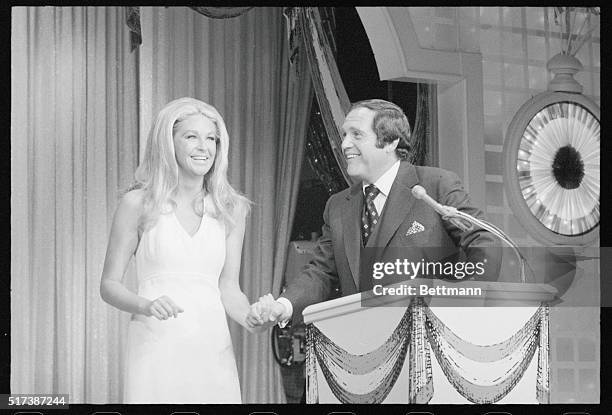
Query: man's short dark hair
[[389, 124]]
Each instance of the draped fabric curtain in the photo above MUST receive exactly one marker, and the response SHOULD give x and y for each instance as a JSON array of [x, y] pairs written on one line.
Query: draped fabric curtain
[[320, 155], [240, 66], [296, 99], [331, 95], [133, 18], [221, 12], [74, 118]]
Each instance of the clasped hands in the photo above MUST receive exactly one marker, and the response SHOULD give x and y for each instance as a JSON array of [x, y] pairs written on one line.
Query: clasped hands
[[265, 313]]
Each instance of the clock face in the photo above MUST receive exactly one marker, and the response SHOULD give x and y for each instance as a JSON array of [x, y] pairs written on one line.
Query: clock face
[[557, 166]]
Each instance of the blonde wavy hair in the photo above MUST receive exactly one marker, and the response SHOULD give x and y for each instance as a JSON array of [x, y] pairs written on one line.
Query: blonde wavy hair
[[158, 174]]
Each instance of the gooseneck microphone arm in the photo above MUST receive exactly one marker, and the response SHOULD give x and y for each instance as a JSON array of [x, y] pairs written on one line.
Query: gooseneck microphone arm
[[466, 222]]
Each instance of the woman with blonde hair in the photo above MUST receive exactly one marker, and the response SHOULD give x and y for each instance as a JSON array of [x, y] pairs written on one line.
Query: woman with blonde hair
[[184, 224]]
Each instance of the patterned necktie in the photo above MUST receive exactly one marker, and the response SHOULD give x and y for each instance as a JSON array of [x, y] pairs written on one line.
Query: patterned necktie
[[369, 217]]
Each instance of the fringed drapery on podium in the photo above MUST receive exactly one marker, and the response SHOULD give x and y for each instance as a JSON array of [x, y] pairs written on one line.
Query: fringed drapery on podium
[[380, 367], [369, 377]]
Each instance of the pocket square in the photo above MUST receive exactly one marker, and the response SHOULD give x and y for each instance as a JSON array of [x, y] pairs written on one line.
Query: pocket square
[[416, 227]]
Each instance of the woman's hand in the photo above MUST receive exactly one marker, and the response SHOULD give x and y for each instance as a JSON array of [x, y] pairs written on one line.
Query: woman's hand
[[254, 322], [253, 317], [162, 308]]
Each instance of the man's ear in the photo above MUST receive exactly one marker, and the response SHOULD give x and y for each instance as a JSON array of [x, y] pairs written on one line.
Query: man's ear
[[390, 147]]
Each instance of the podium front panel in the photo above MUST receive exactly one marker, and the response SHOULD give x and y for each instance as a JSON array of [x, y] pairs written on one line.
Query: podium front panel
[[363, 331]]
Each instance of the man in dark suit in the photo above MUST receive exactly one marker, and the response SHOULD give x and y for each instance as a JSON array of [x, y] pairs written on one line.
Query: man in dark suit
[[379, 210]]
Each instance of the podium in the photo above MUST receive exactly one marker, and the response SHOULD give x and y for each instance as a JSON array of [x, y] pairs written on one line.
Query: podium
[[445, 348]]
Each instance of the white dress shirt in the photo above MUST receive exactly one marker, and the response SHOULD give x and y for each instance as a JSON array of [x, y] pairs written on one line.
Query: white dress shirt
[[383, 184]]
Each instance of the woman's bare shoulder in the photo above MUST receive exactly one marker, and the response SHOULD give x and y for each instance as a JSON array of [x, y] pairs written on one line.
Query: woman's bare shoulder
[[131, 205], [134, 198]]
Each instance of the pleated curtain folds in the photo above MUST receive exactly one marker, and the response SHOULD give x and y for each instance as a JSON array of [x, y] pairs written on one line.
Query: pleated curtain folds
[[74, 123]]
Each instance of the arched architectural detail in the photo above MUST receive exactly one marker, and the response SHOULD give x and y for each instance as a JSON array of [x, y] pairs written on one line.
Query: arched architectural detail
[[458, 76]]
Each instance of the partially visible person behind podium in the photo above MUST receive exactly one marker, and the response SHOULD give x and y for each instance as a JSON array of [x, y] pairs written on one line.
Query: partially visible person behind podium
[[379, 210]]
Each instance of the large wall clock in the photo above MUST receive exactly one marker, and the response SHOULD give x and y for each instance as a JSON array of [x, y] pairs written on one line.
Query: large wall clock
[[551, 171]]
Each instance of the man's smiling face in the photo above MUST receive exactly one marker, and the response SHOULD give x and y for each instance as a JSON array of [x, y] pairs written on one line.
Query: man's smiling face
[[365, 160]]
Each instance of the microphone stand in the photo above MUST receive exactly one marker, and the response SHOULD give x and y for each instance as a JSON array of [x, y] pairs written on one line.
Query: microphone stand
[[466, 222]]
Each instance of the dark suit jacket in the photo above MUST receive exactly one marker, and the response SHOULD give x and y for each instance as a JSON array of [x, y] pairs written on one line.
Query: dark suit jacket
[[336, 255]]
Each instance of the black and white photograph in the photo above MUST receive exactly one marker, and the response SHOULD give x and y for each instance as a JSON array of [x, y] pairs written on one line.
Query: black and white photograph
[[304, 205]]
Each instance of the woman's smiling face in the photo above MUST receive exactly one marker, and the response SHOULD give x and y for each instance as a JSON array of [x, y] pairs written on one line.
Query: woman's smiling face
[[195, 145]]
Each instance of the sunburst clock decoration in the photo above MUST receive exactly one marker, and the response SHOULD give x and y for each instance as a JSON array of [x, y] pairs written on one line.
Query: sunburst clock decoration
[[552, 159]]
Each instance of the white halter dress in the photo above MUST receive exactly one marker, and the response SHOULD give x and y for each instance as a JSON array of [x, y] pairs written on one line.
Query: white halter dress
[[188, 359]]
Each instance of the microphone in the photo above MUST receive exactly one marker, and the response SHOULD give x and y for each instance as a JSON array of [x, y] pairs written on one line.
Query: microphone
[[466, 222], [449, 213], [420, 193]]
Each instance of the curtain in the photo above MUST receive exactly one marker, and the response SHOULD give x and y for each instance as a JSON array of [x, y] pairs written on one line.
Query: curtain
[[331, 95], [73, 146], [133, 19], [296, 99], [238, 65], [320, 155], [221, 12]]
